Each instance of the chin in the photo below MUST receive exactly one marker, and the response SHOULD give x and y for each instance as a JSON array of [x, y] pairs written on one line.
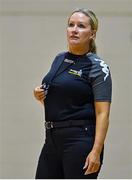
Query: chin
[[74, 42]]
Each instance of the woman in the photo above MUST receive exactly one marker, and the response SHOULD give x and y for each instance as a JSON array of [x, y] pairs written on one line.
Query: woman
[[76, 94]]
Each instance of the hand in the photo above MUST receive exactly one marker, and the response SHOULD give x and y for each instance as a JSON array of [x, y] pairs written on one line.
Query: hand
[[39, 93], [92, 163]]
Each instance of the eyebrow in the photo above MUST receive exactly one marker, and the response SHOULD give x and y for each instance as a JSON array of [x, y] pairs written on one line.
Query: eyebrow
[[73, 20], [78, 21]]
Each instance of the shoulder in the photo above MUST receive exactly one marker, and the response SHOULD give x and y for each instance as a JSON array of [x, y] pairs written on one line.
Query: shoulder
[[58, 57], [96, 61], [98, 66], [61, 54]]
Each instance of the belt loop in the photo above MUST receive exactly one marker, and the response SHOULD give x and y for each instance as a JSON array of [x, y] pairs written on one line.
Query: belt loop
[[49, 125]]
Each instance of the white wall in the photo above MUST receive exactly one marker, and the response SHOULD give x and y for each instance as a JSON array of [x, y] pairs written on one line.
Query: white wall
[[32, 32]]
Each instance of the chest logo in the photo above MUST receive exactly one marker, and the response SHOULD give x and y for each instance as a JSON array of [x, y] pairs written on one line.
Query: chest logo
[[69, 61], [75, 72]]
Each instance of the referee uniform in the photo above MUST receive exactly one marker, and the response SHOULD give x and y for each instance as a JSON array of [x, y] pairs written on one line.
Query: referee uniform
[[72, 85]]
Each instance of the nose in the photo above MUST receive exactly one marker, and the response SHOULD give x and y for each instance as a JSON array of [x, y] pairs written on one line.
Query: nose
[[75, 29]]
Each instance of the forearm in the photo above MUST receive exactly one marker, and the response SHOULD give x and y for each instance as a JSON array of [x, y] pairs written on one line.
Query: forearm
[[102, 123]]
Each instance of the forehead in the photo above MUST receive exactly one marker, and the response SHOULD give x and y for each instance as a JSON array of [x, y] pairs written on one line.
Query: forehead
[[80, 17]]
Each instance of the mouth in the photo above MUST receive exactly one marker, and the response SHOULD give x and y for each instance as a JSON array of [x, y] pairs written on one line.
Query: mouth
[[74, 37]]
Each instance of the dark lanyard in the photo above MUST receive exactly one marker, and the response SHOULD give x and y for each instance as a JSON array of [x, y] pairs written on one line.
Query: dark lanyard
[[62, 66]]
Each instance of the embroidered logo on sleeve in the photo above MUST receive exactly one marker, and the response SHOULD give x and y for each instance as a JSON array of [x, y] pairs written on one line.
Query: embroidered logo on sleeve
[[75, 72], [104, 66]]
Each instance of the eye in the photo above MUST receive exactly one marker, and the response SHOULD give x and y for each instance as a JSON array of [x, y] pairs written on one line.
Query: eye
[[71, 24], [81, 25]]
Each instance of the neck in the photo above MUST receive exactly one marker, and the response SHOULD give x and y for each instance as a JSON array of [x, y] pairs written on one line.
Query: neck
[[78, 50]]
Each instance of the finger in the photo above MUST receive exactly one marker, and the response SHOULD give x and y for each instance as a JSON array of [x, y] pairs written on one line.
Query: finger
[[38, 90], [86, 163], [91, 165], [37, 94], [40, 93], [89, 169], [41, 97], [95, 168]]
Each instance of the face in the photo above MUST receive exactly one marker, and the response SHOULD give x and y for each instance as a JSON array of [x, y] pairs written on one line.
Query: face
[[79, 32]]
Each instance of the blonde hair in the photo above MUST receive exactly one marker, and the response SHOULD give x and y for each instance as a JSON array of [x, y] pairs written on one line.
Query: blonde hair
[[94, 26]]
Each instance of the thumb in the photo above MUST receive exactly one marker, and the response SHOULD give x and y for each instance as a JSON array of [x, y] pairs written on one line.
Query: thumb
[[41, 86], [86, 164]]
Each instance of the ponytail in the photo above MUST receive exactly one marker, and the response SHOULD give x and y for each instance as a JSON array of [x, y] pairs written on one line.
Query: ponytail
[[92, 46]]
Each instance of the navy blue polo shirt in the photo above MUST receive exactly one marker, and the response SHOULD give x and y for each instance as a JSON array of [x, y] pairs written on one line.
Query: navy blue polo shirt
[[77, 82]]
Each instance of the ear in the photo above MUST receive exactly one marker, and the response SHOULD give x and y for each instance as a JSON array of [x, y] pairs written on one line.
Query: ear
[[93, 34]]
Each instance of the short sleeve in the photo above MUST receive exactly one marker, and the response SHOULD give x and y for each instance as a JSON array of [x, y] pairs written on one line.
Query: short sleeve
[[101, 81]]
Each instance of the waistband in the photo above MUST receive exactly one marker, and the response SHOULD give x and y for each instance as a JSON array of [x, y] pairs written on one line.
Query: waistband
[[68, 123]]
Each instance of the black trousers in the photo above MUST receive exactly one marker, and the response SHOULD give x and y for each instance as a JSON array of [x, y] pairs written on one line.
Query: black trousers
[[64, 153]]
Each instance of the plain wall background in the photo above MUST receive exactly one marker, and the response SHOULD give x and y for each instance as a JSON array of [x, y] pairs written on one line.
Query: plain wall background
[[32, 32]]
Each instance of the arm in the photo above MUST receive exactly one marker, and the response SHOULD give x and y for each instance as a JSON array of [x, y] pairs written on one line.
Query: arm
[[100, 78], [102, 110]]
